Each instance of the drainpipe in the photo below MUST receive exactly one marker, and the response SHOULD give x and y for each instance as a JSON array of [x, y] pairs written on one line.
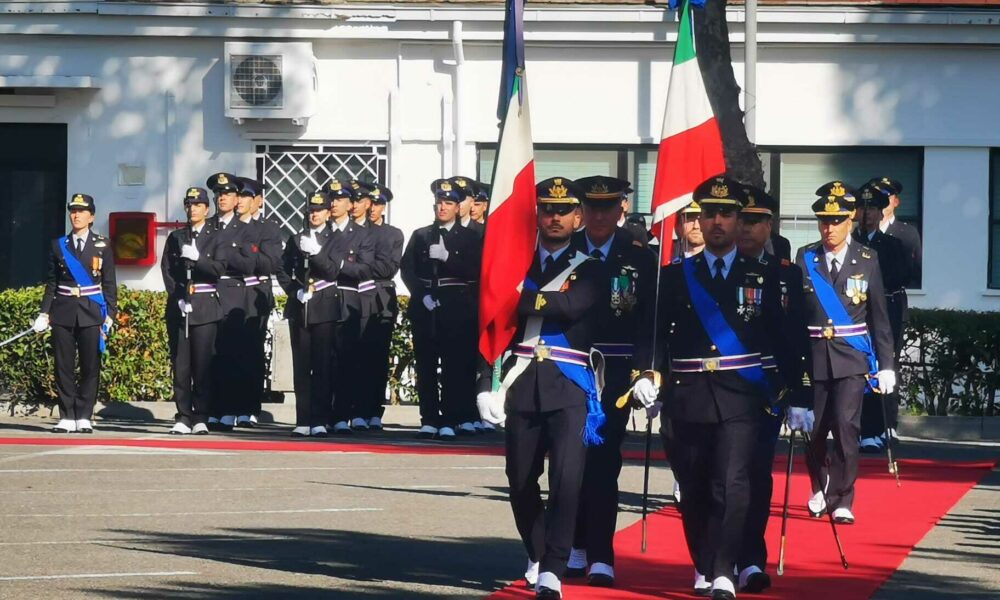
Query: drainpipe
[[750, 70], [458, 165]]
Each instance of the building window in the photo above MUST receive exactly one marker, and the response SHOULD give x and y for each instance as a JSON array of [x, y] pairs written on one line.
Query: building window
[[794, 175], [636, 164], [290, 172], [994, 263]]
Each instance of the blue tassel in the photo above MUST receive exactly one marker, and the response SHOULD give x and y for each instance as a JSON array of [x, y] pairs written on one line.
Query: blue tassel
[[675, 4], [595, 421]]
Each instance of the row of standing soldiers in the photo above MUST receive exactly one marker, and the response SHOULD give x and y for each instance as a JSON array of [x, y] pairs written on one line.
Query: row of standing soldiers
[[744, 341]]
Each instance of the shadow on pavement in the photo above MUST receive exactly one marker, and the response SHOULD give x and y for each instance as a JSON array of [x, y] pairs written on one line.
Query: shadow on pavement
[[359, 564]]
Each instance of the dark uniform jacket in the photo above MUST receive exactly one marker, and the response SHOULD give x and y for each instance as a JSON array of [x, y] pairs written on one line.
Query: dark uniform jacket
[[781, 247], [388, 256], [635, 225], [241, 258], [476, 227], [835, 358], [796, 332], [207, 306], [908, 234], [576, 312], [358, 251], [98, 260], [268, 237], [710, 397], [326, 304], [629, 297], [422, 275], [894, 262]]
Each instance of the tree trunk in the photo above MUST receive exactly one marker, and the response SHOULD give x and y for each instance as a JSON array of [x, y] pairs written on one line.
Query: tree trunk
[[712, 45]]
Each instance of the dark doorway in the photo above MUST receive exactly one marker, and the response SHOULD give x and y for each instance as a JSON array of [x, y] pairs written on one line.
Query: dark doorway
[[32, 199]]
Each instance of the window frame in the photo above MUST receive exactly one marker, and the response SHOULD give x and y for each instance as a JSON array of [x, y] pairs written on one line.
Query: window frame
[[994, 218]]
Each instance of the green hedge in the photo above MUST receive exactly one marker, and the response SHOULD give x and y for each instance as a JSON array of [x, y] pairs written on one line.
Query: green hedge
[[950, 362], [137, 366]]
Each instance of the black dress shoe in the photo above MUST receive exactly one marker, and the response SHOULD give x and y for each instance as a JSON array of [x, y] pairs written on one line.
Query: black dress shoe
[[58, 429], [547, 593], [601, 580], [723, 595], [757, 583], [575, 572], [703, 592]]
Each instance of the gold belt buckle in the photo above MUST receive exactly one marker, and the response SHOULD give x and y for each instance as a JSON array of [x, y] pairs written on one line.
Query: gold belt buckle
[[828, 333], [711, 364], [542, 352], [75, 291]]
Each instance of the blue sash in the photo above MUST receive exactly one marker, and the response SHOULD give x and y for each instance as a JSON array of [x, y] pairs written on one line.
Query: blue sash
[[719, 330], [83, 280], [582, 376], [836, 312]]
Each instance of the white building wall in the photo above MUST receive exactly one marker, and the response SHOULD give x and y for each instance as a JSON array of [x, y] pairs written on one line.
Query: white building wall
[[160, 104]]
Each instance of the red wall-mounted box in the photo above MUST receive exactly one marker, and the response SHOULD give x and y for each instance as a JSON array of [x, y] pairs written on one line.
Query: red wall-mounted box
[[133, 237]]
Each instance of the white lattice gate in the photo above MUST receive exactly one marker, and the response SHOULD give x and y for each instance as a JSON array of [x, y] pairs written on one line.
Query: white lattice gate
[[291, 172]]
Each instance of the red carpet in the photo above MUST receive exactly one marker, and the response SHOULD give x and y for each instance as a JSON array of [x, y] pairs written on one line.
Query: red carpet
[[890, 521]]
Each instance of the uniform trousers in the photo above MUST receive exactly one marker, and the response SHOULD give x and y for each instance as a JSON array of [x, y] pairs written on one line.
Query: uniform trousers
[[251, 405], [597, 516], [754, 550], [348, 389], [191, 357], [837, 406], [547, 533], [453, 345], [312, 370], [234, 366], [376, 341], [712, 465], [77, 400], [872, 419]]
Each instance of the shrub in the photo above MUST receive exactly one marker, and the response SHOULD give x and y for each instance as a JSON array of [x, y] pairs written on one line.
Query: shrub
[[951, 362]]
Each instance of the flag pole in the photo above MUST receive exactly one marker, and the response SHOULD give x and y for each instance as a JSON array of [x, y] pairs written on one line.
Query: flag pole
[[649, 419]]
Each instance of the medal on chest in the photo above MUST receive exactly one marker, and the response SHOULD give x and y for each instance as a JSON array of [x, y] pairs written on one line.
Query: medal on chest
[[749, 300], [623, 296], [856, 288], [96, 262]]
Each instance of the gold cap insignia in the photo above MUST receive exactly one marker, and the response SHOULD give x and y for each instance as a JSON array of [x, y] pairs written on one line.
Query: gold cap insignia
[[832, 205], [336, 186], [317, 199], [751, 201], [222, 179], [79, 198], [558, 190], [599, 188], [867, 194], [461, 182], [376, 192], [720, 191], [838, 190], [445, 186], [193, 193]]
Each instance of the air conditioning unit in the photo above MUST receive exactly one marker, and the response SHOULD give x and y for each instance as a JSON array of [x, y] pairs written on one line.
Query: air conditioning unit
[[270, 81]]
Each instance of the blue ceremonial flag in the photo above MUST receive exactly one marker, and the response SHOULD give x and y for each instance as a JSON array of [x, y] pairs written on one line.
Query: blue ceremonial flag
[[513, 56]]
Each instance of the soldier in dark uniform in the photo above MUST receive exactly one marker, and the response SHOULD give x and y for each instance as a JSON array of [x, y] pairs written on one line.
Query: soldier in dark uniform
[[690, 237], [357, 295], [625, 340], [440, 267], [851, 340], [311, 264], [755, 231], [720, 315], [265, 235], [894, 262], [549, 388], [191, 266], [634, 224], [377, 336], [480, 204], [467, 187], [80, 303], [905, 232]]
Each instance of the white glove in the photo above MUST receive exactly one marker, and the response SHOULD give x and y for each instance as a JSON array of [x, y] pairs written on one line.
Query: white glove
[[109, 324], [654, 411], [41, 323], [490, 405], [810, 420], [429, 303], [303, 296], [645, 391], [438, 251], [185, 307], [886, 381], [309, 245], [190, 252], [799, 419]]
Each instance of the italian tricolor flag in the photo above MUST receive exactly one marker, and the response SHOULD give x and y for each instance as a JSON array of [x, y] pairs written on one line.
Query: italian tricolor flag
[[690, 144]]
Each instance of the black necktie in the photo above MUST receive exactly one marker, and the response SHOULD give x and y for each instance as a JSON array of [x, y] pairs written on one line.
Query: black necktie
[[597, 254], [834, 269], [549, 261], [720, 264], [79, 247]]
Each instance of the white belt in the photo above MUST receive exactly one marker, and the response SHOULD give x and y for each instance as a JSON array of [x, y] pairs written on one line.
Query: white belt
[[77, 291]]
